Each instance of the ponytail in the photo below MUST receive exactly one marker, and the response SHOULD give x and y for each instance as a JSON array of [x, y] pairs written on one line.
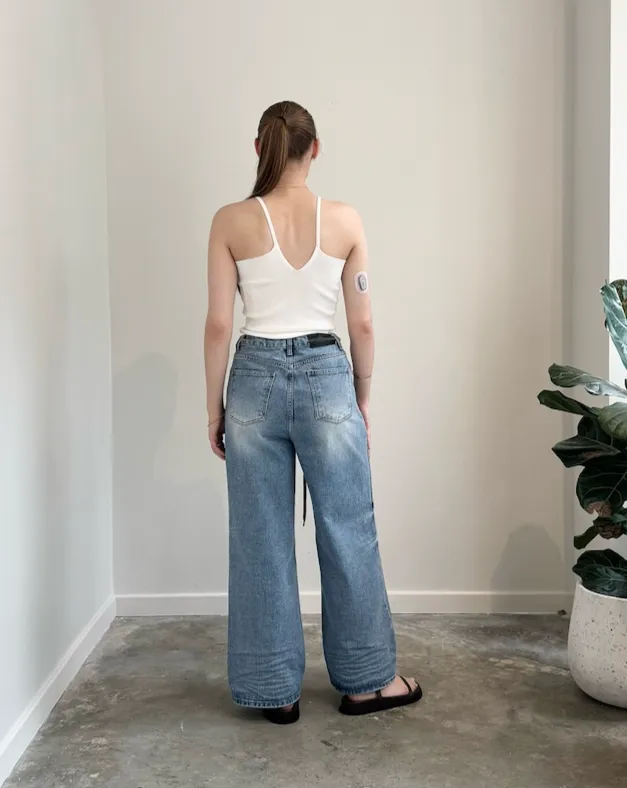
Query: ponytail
[[286, 131], [274, 146]]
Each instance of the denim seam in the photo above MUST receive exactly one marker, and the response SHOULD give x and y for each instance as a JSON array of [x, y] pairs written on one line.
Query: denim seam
[[316, 373], [249, 373], [261, 360], [262, 704], [364, 689], [315, 359], [286, 365]]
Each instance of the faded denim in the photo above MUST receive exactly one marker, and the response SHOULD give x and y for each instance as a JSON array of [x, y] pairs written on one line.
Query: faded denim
[[287, 399]]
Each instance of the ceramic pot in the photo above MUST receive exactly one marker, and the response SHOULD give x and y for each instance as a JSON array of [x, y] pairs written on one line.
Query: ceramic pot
[[597, 646]]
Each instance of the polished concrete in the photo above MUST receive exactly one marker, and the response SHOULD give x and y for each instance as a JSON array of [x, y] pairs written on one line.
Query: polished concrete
[[151, 709]]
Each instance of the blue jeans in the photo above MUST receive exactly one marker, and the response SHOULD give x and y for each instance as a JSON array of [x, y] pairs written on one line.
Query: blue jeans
[[285, 399]]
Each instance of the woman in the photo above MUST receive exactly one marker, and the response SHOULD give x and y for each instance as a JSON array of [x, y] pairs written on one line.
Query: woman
[[291, 394]]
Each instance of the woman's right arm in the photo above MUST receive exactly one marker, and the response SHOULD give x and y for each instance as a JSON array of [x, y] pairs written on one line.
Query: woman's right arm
[[222, 281], [359, 313]]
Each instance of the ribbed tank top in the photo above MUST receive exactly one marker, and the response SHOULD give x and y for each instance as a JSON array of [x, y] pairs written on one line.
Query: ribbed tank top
[[282, 302]]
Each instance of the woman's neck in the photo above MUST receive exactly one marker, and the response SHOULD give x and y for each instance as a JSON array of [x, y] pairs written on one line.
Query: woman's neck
[[294, 177]]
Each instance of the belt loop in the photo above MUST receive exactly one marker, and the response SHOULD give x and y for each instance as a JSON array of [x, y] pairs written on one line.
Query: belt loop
[[290, 347], [339, 341], [239, 344]]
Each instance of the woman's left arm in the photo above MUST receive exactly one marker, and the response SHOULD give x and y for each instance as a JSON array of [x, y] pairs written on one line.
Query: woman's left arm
[[222, 282]]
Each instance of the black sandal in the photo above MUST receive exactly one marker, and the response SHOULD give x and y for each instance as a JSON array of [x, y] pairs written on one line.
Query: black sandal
[[282, 716], [380, 703]]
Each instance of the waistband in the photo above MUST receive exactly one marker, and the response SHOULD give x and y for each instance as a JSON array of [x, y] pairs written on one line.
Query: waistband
[[307, 340]]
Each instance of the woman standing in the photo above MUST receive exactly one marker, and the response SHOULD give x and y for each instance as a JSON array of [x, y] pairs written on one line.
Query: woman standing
[[291, 393]]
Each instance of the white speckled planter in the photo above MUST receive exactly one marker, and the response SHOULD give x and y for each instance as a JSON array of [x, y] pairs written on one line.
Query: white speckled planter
[[597, 646]]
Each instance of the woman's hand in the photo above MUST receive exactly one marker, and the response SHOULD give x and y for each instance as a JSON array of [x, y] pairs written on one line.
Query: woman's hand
[[363, 408], [216, 436]]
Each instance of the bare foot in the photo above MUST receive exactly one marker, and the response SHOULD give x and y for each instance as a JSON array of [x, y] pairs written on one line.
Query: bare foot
[[396, 688]]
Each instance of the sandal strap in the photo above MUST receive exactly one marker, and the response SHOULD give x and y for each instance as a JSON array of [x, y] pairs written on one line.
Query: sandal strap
[[407, 684]]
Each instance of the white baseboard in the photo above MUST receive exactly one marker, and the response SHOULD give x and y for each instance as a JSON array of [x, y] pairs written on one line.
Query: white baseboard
[[215, 604], [211, 604], [19, 737]]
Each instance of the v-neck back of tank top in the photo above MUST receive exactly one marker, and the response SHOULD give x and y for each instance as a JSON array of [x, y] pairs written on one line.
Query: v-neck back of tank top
[[281, 301]]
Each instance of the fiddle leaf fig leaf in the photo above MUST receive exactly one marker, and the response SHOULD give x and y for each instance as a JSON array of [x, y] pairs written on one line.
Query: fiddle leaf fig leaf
[[615, 320], [604, 572], [568, 377], [558, 401], [605, 527], [602, 485], [613, 420], [579, 450]]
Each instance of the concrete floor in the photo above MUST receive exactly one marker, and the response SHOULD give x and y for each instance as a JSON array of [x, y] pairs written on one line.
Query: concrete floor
[[151, 709]]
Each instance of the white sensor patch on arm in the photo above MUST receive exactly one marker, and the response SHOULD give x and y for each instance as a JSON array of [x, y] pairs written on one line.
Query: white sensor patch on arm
[[361, 282]]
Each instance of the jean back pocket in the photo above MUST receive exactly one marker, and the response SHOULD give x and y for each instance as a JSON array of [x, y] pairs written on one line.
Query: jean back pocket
[[248, 395], [332, 393]]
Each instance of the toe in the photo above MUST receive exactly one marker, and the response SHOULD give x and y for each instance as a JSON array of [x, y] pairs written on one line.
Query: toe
[[412, 683]]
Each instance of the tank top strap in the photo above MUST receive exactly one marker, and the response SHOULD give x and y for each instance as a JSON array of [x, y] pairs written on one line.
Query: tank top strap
[[269, 220], [318, 207]]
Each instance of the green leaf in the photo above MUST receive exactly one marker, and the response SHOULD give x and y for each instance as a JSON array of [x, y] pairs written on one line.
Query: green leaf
[[609, 558], [580, 450], [588, 427], [615, 320], [604, 572], [619, 517], [620, 285], [558, 401], [609, 527], [582, 541], [568, 377], [606, 527], [613, 420], [602, 485]]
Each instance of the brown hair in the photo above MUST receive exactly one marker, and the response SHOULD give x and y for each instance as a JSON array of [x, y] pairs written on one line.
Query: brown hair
[[286, 132]]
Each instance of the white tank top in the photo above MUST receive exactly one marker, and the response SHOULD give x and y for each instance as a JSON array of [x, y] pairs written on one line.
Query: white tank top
[[282, 302]]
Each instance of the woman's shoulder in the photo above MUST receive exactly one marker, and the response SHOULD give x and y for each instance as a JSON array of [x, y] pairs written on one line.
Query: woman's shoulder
[[342, 212], [237, 217], [236, 210], [341, 228], [342, 216]]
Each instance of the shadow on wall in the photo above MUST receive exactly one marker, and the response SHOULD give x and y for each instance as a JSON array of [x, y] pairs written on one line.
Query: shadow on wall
[[166, 531], [531, 561]]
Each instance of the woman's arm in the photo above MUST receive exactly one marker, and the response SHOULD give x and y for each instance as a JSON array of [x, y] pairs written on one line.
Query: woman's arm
[[222, 281], [359, 314]]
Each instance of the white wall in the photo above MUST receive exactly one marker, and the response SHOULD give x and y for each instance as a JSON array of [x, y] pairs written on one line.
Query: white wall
[[618, 175], [443, 122], [589, 166], [587, 199], [55, 425], [618, 153]]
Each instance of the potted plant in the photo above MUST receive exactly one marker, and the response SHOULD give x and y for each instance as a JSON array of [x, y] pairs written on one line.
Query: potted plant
[[597, 640]]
